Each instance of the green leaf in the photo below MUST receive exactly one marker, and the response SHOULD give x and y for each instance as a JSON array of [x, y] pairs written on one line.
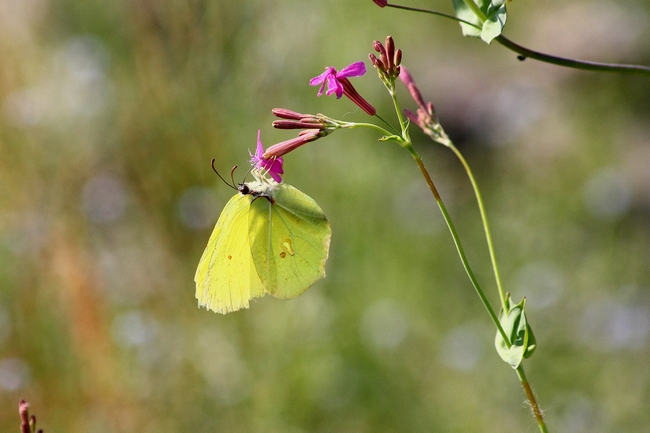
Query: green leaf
[[488, 26], [494, 25], [515, 325], [532, 343], [464, 12]]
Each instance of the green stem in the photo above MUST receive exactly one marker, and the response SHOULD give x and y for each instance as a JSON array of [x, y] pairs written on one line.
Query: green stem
[[547, 58], [428, 11], [539, 417], [459, 247], [400, 117], [405, 142], [486, 225], [352, 125], [537, 412], [387, 124], [571, 63], [520, 370]]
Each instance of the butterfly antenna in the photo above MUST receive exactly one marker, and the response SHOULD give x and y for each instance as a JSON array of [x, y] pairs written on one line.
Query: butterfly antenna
[[232, 174], [221, 177], [247, 173]]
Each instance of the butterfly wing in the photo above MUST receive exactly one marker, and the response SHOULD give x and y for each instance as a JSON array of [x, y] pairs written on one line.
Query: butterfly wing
[[226, 278], [289, 241]]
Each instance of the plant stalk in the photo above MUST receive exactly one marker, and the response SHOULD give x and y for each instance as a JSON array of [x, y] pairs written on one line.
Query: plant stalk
[[584, 65], [459, 247], [539, 417], [486, 225]]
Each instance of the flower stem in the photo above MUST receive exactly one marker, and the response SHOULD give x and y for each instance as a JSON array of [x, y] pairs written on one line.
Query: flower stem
[[459, 247], [387, 124], [547, 58], [537, 412], [539, 417], [428, 11], [405, 142], [352, 125], [486, 225], [520, 369], [571, 63]]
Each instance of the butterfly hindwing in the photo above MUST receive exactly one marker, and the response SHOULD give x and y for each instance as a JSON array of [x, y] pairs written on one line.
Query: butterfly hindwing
[[289, 239]]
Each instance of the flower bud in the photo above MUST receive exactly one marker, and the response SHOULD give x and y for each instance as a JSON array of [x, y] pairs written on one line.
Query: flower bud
[[398, 58], [390, 52], [292, 124], [283, 113]]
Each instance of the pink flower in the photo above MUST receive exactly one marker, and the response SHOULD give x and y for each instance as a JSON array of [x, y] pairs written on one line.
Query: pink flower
[[381, 3], [332, 77], [337, 82], [272, 166]]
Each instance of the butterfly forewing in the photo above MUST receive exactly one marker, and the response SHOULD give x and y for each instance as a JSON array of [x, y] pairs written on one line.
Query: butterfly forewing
[[226, 278]]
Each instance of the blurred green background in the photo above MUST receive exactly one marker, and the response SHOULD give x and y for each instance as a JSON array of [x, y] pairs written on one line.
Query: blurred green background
[[110, 112]]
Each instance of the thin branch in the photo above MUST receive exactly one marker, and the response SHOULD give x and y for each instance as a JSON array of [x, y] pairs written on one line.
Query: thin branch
[[525, 53]]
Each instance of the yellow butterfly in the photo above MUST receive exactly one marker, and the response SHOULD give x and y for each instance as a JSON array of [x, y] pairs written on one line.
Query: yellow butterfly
[[270, 238]]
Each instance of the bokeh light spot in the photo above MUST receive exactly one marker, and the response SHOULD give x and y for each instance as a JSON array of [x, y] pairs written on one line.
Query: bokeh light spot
[[542, 283], [104, 199], [607, 194], [198, 207], [225, 372], [383, 325], [14, 374], [462, 348], [609, 325], [133, 329]]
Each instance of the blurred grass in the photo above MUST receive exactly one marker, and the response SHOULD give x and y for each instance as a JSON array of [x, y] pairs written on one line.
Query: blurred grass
[[111, 112]]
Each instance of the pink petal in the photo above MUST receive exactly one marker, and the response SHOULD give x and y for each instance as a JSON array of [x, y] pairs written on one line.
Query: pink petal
[[333, 86], [356, 69], [274, 168], [276, 177], [317, 80], [339, 90], [321, 78], [259, 154]]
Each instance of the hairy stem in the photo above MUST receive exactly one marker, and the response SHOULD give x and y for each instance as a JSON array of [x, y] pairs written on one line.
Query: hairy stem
[[539, 417]]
